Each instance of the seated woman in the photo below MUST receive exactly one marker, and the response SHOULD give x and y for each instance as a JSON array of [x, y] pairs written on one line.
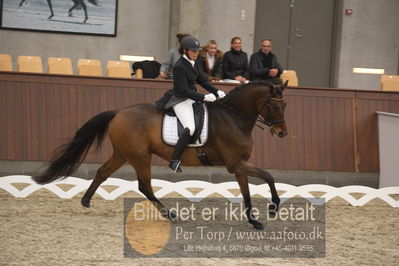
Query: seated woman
[[210, 61], [166, 71], [235, 63]]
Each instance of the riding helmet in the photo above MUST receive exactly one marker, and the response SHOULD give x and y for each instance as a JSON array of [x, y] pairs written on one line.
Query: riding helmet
[[190, 43]]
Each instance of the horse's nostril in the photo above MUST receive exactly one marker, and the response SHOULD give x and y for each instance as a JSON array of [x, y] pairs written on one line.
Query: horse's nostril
[[282, 134]]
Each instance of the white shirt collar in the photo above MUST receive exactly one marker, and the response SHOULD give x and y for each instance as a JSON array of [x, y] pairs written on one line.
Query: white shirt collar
[[192, 62]]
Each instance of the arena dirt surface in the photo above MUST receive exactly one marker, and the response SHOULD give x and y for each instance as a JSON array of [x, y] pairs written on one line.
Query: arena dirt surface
[[43, 229]]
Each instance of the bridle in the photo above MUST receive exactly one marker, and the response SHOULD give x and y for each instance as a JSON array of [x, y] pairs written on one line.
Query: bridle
[[269, 120]]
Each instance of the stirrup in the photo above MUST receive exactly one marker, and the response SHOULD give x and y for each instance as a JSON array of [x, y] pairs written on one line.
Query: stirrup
[[175, 166]]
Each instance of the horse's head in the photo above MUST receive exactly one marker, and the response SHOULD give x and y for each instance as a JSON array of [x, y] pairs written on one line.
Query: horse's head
[[272, 110]]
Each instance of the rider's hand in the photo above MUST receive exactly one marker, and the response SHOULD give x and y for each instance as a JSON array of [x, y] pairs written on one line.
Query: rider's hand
[[209, 97], [163, 75], [221, 94], [273, 72]]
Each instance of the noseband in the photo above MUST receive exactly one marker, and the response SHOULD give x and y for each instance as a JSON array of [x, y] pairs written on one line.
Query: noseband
[[269, 120]]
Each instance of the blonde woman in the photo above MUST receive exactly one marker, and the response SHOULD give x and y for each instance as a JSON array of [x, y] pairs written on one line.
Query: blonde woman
[[210, 61]]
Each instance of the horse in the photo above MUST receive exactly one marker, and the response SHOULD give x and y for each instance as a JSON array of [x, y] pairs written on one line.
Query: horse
[[77, 4], [135, 134], [81, 3]]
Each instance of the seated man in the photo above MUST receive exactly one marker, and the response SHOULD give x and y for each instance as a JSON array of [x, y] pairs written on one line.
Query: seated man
[[263, 64]]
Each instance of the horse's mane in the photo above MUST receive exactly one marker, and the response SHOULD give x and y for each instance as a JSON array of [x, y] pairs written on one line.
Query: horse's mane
[[238, 89]]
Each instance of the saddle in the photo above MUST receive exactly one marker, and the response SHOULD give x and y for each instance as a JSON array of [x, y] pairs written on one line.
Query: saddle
[[172, 128]]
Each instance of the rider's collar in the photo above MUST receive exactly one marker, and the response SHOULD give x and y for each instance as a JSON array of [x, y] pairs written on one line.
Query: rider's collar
[[192, 62]]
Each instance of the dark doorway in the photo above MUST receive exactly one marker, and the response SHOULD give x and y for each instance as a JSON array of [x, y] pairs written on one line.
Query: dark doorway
[[302, 32]]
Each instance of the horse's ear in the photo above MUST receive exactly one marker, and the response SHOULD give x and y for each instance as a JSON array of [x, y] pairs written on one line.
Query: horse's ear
[[284, 85]]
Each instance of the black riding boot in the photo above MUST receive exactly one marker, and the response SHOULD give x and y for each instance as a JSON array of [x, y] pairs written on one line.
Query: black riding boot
[[179, 149]]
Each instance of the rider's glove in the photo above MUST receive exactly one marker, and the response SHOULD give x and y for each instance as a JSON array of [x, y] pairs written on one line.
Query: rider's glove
[[221, 94], [209, 97]]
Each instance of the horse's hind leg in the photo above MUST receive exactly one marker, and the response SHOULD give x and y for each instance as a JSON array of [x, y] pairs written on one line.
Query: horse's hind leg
[[143, 171], [85, 10], [51, 9], [243, 182], [113, 164], [72, 8]]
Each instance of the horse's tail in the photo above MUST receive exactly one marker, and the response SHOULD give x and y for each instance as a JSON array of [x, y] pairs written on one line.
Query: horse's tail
[[70, 155], [93, 2]]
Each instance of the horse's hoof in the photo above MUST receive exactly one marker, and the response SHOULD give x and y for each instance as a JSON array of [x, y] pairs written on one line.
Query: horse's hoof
[[50, 16], [273, 209], [257, 225], [85, 203], [172, 215]]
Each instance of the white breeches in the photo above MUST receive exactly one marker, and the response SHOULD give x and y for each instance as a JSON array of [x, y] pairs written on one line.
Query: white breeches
[[184, 112]]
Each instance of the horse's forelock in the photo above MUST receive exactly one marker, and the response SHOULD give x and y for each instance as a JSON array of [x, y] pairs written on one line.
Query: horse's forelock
[[278, 91]]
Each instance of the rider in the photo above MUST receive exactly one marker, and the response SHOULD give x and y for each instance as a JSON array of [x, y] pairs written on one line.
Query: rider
[[184, 94]]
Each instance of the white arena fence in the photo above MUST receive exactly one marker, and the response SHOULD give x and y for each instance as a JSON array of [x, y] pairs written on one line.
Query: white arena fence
[[183, 187]]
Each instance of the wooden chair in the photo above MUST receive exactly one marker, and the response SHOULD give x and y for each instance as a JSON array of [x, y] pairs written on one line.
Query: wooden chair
[[138, 74], [390, 82], [30, 64], [60, 65], [119, 69], [5, 62], [90, 67], [291, 76]]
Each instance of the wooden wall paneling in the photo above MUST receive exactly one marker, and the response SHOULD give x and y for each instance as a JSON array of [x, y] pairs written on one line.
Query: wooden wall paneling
[[342, 147], [326, 127], [4, 127], [295, 156], [9, 117]]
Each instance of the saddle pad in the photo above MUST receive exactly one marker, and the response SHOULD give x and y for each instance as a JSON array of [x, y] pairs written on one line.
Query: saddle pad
[[170, 135]]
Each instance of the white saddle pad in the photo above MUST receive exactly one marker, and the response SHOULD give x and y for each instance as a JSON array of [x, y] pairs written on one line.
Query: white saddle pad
[[169, 130]]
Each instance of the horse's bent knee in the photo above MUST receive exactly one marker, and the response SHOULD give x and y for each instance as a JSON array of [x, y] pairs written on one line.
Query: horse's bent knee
[[267, 177]]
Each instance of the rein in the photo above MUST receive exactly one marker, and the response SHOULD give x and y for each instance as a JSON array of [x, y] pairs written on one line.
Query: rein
[[268, 122]]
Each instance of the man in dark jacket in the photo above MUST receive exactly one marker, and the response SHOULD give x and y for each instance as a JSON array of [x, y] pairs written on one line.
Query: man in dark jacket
[[263, 64]]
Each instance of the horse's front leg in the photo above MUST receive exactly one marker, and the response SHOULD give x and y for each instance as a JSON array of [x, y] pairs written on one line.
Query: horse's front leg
[[243, 182], [71, 9], [246, 168], [85, 10]]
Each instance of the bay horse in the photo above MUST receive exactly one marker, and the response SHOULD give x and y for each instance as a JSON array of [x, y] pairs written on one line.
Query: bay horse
[[135, 134]]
